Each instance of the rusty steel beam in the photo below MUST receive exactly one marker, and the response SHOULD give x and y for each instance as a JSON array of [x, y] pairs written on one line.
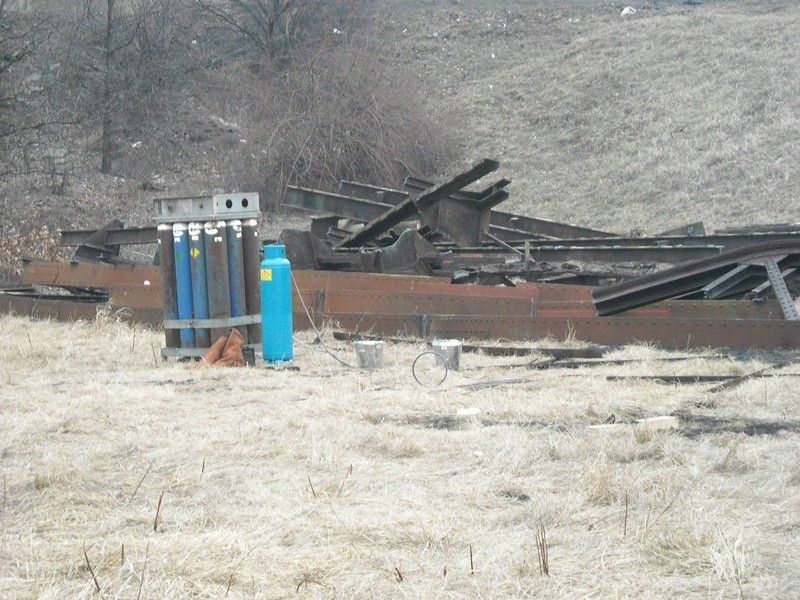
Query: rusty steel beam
[[454, 258], [427, 307], [621, 254], [614, 331], [728, 242], [89, 275], [530, 225], [506, 226], [337, 281], [360, 202], [337, 204], [398, 305], [689, 277], [419, 204], [413, 303], [138, 296], [114, 236], [545, 227], [563, 252], [362, 302], [776, 228], [63, 309], [373, 193]]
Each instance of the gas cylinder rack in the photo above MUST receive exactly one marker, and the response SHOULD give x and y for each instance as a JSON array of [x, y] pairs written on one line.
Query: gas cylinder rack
[[209, 254]]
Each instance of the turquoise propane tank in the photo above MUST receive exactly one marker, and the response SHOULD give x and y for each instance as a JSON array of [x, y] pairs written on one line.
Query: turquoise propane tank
[[276, 305]]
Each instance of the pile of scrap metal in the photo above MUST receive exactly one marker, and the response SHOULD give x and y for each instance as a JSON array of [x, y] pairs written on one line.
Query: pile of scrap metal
[[389, 262], [622, 289], [448, 231]]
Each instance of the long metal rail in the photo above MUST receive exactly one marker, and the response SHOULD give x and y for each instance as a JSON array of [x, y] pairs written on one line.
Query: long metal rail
[[690, 277], [434, 307]]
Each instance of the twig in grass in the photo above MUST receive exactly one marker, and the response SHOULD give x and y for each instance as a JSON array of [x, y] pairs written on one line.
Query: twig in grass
[[541, 548], [471, 561], [312, 486], [444, 572], [144, 570], [666, 510], [625, 522], [30, 343], [736, 572], [738, 380], [122, 555], [133, 343], [203, 467], [308, 579], [150, 466], [91, 570], [230, 581], [398, 575], [155, 356], [158, 511], [341, 487]]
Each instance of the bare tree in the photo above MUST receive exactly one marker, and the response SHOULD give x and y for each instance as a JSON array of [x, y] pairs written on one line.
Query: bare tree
[[343, 110], [20, 37], [274, 26], [132, 55]]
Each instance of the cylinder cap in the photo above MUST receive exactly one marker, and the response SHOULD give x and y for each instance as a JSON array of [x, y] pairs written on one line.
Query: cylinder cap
[[275, 251]]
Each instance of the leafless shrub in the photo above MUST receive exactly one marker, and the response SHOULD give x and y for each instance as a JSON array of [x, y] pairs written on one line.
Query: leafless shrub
[[342, 111], [276, 28]]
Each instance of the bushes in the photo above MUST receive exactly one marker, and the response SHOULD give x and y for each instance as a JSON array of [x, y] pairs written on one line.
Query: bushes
[[337, 112], [311, 104]]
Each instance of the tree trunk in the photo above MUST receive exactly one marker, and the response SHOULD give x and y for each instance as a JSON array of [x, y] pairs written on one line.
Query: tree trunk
[[108, 142]]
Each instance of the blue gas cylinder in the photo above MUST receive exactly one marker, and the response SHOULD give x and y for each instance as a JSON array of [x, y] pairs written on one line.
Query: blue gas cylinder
[[276, 305]]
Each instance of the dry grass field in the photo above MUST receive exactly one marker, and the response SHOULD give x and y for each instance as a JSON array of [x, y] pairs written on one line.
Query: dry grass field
[[314, 480]]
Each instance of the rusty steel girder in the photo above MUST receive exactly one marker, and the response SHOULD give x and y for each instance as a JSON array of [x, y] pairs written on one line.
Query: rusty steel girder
[[65, 309], [425, 307], [613, 331], [423, 204], [433, 307], [691, 277], [94, 275]]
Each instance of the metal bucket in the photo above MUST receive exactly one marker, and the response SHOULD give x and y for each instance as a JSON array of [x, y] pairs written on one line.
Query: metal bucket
[[450, 350], [369, 354]]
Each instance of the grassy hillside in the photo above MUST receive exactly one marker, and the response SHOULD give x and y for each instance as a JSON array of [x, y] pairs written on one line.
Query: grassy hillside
[[673, 114]]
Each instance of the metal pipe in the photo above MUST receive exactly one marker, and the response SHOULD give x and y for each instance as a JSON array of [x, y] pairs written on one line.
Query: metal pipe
[[219, 292], [169, 290], [197, 252], [252, 282], [183, 281], [236, 272]]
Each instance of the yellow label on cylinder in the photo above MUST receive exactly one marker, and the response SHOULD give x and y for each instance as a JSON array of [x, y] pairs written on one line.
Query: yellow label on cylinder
[[266, 274]]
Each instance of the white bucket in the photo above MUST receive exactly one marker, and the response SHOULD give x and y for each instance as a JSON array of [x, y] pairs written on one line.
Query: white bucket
[[450, 350], [369, 354]]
